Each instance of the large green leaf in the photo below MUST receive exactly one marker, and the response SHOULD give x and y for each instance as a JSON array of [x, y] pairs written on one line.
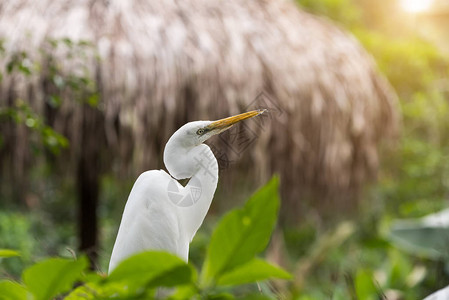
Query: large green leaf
[[53, 276], [118, 290], [151, 269], [8, 253], [427, 236], [254, 270], [184, 292], [256, 296], [364, 285], [10, 290], [84, 292], [242, 233], [220, 296]]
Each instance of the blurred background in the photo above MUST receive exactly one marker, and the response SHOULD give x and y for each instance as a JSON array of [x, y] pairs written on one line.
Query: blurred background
[[358, 128]]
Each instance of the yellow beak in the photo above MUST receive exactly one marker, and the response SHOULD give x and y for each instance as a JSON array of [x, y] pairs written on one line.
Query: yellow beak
[[226, 123]]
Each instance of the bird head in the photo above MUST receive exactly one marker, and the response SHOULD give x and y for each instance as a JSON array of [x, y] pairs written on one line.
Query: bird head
[[180, 150], [195, 133]]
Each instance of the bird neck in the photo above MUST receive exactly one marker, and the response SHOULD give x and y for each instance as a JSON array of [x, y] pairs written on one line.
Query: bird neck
[[202, 186], [200, 165]]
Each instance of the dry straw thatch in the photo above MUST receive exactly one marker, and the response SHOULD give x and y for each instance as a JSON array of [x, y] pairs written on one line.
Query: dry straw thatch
[[164, 63]]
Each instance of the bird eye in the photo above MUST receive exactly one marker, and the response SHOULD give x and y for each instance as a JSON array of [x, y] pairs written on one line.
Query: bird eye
[[200, 131]]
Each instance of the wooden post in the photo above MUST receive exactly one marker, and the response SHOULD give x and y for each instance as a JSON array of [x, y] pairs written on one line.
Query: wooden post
[[88, 182]]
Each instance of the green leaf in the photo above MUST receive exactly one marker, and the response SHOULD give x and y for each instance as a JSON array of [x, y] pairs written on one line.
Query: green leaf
[[53, 276], [54, 101], [24, 69], [93, 100], [242, 233], [184, 292], [255, 270], [85, 292], [10, 66], [364, 285], [81, 292], [257, 296], [178, 275], [10, 290], [339, 294], [93, 277], [220, 296], [152, 268], [68, 42], [97, 291], [423, 236], [8, 253]]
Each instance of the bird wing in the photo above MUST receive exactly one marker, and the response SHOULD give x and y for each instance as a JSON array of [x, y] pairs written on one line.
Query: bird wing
[[442, 294], [149, 221]]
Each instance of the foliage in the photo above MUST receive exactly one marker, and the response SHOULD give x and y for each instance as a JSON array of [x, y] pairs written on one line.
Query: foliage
[[241, 235], [414, 177], [425, 237], [23, 114], [15, 233], [77, 85], [8, 253], [231, 261], [53, 276], [342, 10]]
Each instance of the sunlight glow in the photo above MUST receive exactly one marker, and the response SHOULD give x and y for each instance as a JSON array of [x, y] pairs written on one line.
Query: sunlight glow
[[416, 6]]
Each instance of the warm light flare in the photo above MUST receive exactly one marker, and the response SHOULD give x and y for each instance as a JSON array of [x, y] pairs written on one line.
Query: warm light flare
[[416, 6]]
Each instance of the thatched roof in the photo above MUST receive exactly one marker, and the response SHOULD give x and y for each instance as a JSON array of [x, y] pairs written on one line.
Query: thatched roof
[[159, 64]]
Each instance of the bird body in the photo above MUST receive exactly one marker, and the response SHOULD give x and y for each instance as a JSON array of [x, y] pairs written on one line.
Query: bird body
[[160, 213], [152, 213]]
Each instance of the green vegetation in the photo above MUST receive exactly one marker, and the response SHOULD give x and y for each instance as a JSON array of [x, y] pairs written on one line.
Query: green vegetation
[[413, 181]]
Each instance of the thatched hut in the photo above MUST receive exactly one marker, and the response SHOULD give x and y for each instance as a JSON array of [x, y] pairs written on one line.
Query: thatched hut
[[156, 65]]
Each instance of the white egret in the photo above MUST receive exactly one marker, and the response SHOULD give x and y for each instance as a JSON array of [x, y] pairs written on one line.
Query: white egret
[[160, 213]]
